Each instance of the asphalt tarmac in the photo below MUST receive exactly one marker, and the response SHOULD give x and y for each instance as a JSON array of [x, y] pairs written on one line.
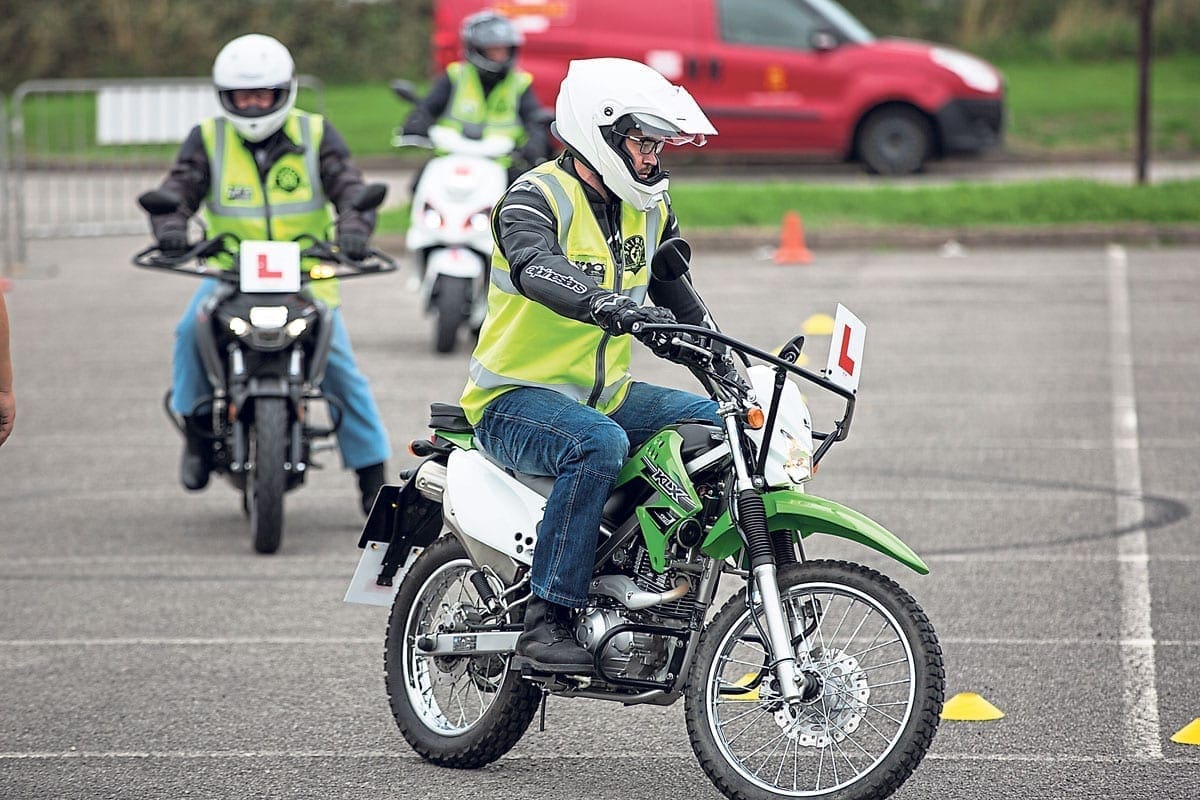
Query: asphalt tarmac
[[1027, 422]]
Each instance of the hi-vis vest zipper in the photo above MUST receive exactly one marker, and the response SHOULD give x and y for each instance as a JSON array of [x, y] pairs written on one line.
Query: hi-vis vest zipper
[[288, 203], [524, 343]]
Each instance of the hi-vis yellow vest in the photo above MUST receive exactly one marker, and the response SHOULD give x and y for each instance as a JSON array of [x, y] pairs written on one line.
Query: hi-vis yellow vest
[[290, 202], [524, 343], [498, 113]]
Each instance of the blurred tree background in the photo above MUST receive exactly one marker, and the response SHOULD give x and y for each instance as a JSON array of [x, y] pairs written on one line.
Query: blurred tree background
[[349, 41]]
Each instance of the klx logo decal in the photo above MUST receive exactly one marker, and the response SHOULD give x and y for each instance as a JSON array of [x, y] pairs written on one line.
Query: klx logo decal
[[667, 485]]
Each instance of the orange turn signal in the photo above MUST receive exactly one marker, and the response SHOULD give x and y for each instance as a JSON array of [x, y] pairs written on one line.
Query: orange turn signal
[[755, 418]]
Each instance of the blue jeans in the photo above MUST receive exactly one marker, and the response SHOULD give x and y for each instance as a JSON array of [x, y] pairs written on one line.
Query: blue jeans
[[542, 432], [362, 439]]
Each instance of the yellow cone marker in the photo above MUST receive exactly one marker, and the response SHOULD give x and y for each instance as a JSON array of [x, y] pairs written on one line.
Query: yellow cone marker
[[970, 707], [1188, 734], [818, 325]]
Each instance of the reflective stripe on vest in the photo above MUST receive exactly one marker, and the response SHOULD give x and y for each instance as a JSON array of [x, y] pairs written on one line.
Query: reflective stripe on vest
[[498, 112], [288, 203], [524, 343]]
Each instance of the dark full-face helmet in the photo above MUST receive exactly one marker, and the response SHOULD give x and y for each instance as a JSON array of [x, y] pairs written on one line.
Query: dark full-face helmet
[[484, 31]]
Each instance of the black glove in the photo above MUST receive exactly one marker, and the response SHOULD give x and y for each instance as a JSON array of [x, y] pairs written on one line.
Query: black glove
[[531, 154], [618, 314], [354, 245], [173, 241]]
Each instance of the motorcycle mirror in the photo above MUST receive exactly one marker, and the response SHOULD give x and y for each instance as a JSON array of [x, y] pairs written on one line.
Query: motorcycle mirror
[[159, 201], [370, 197], [670, 260], [405, 91]]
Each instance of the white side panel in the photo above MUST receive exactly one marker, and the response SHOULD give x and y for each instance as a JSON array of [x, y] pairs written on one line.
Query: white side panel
[[488, 505]]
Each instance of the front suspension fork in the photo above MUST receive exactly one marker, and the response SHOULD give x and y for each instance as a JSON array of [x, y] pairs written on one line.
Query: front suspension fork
[[752, 522]]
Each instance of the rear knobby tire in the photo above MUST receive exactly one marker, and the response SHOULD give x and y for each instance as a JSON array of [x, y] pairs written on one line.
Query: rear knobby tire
[[882, 682], [269, 438], [463, 712]]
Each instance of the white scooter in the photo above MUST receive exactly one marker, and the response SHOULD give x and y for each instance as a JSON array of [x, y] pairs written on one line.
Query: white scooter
[[450, 233]]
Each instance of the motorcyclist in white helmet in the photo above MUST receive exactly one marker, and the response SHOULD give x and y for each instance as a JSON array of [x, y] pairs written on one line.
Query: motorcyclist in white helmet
[[265, 170], [549, 391]]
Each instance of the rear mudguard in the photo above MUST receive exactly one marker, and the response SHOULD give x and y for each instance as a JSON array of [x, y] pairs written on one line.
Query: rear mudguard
[[807, 514]]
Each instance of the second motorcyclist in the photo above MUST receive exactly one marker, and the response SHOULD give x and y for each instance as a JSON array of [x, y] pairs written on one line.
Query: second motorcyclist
[[264, 170], [487, 90]]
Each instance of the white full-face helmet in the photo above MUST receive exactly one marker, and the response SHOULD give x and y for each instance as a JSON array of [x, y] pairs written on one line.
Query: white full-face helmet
[[255, 61], [602, 99]]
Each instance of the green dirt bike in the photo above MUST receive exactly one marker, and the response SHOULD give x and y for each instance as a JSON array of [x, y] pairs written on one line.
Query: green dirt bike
[[818, 678]]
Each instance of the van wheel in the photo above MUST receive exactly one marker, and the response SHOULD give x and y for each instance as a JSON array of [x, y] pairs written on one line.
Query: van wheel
[[894, 141]]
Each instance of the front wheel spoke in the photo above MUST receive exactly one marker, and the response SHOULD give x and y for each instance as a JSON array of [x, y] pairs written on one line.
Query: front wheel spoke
[[738, 735]]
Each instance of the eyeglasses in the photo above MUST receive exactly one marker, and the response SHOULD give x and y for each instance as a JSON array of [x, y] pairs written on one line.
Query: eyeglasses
[[645, 145]]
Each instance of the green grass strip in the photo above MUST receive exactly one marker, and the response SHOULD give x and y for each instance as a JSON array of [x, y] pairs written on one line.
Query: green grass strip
[[729, 204]]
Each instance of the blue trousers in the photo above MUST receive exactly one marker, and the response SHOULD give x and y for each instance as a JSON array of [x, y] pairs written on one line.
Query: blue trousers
[[542, 432], [361, 437]]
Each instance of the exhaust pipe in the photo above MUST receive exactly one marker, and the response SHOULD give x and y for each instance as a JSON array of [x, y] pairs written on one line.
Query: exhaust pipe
[[431, 481], [630, 595]]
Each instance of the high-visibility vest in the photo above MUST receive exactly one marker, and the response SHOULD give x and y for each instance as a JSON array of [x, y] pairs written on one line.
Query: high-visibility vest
[[498, 112], [289, 202], [524, 343]]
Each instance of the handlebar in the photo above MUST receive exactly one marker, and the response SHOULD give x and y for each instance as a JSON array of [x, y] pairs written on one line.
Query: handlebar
[[683, 344], [334, 263]]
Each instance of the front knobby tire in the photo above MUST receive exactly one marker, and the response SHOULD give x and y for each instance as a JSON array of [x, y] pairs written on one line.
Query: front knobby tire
[[879, 667], [268, 479], [463, 711]]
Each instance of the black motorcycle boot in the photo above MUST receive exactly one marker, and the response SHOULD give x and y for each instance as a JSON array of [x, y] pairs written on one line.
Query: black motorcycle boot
[[547, 641], [370, 480], [196, 463]]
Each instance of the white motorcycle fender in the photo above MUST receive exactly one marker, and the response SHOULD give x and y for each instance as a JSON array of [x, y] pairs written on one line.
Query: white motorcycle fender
[[457, 262], [483, 503]]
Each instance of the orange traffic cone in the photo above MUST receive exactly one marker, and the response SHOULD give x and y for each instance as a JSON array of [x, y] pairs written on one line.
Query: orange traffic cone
[[792, 249]]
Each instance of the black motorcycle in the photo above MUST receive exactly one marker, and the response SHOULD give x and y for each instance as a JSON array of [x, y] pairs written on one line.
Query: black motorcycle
[[265, 354]]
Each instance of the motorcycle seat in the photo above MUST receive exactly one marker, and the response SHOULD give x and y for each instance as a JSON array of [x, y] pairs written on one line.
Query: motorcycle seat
[[448, 417]]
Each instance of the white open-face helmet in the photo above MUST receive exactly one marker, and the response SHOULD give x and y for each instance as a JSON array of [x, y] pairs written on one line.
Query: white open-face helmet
[[255, 61], [602, 99]]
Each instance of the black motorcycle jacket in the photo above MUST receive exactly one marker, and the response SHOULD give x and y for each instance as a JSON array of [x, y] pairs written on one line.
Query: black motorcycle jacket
[[526, 233], [190, 177]]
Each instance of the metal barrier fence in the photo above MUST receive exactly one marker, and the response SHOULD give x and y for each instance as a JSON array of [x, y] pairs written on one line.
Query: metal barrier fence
[[83, 150]]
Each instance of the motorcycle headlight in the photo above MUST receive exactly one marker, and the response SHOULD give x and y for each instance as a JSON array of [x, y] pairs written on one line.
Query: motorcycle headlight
[[238, 326], [798, 466], [479, 221], [432, 218], [296, 327], [268, 317]]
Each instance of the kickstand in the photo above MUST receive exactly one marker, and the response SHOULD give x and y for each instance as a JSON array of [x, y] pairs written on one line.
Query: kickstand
[[542, 719]]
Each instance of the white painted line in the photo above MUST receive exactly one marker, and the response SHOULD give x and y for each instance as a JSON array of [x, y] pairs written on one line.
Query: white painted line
[[166, 641], [1139, 685], [541, 757]]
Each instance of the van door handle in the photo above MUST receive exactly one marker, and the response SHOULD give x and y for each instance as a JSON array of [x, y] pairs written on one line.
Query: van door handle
[[714, 69], [692, 67]]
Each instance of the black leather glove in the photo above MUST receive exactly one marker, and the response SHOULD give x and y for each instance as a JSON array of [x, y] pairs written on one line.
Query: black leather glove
[[173, 241], [531, 154], [618, 314], [354, 244]]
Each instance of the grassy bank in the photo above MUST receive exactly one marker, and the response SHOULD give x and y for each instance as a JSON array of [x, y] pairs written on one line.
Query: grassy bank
[[724, 205]]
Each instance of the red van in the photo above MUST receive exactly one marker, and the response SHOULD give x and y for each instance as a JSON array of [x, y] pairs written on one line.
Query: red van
[[775, 76]]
